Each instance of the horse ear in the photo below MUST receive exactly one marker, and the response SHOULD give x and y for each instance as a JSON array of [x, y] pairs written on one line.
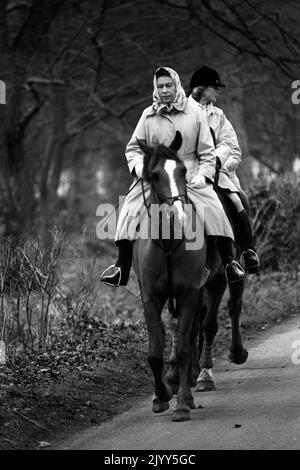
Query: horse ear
[[144, 147], [176, 144]]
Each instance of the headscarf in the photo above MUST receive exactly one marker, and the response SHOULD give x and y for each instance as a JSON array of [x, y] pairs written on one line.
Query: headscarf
[[180, 97]]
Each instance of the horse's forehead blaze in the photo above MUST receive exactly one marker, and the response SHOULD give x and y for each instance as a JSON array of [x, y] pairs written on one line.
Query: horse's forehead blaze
[[170, 167]]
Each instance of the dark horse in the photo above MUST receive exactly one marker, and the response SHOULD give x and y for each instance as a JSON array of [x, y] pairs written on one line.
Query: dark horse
[[166, 269], [211, 294]]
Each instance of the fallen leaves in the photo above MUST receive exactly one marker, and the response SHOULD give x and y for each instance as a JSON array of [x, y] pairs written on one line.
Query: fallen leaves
[[83, 376]]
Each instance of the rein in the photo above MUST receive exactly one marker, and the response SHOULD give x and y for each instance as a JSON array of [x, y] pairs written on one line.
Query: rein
[[218, 161]]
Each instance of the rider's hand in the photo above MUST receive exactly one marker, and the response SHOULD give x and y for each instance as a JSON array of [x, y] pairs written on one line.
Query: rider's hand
[[198, 182], [229, 167], [226, 171], [139, 169]]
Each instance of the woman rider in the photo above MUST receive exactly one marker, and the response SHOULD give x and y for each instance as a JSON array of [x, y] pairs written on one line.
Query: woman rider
[[171, 112], [205, 87]]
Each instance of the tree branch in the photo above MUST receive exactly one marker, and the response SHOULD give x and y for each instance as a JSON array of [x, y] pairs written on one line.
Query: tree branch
[[133, 105], [19, 5], [254, 153], [3, 26], [260, 52], [289, 39], [40, 17], [173, 5], [64, 49], [32, 111], [245, 31]]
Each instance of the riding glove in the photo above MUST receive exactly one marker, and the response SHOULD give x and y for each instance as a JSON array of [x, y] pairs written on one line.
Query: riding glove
[[139, 169], [198, 182]]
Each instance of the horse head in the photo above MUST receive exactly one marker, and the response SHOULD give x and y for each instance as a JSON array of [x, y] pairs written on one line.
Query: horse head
[[165, 173]]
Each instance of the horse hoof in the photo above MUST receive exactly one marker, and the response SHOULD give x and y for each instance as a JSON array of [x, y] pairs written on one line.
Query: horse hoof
[[181, 415], [205, 382], [238, 358], [190, 403], [205, 386], [159, 406]]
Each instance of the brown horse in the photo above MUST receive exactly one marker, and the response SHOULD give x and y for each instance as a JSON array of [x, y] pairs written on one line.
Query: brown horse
[[211, 294], [166, 268]]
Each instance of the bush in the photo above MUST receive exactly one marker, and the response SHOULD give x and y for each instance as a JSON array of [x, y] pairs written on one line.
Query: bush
[[29, 280], [44, 291], [275, 212]]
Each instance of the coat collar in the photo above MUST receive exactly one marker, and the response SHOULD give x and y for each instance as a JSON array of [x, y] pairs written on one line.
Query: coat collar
[[152, 112], [209, 108]]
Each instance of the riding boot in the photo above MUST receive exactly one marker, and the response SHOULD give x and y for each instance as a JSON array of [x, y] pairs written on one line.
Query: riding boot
[[249, 258], [120, 270], [233, 270]]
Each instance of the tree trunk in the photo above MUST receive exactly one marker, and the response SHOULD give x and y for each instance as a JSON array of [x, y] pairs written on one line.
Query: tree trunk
[[16, 185], [235, 114], [53, 164]]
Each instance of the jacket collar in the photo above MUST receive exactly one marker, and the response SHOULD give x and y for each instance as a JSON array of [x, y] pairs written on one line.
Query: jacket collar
[[152, 111], [209, 108]]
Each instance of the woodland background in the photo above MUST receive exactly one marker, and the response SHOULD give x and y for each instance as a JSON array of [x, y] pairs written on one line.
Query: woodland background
[[78, 75]]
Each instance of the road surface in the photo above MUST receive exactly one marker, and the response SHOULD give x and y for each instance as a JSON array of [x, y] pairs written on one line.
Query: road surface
[[255, 406]]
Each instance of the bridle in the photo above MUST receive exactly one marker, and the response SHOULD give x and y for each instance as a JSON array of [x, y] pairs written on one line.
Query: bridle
[[181, 197]]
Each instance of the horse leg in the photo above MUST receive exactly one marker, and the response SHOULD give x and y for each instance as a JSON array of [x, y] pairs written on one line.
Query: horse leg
[[156, 336], [172, 375], [205, 382], [198, 351], [189, 400], [237, 354], [196, 333], [188, 309], [194, 363], [214, 293]]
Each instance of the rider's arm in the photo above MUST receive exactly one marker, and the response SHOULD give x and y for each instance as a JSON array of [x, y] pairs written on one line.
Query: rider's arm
[[227, 148], [206, 150]]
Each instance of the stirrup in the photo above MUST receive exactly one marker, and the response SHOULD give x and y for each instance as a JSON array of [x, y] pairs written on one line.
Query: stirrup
[[254, 266], [105, 271], [243, 272]]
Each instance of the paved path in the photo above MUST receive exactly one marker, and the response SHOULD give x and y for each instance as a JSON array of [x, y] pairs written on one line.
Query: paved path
[[255, 406]]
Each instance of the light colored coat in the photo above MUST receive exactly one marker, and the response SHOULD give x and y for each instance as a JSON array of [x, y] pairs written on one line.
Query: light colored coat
[[227, 146], [197, 149], [197, 153]]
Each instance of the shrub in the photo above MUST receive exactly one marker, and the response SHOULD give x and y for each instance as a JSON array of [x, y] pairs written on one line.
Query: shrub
[[275, 212], [28, 282]]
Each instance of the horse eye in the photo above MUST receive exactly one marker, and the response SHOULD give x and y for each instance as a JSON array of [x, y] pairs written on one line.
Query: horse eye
[[155, 176]]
